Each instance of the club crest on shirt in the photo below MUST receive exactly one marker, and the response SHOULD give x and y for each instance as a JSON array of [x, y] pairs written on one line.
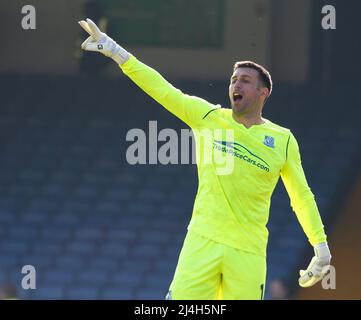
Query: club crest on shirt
[[269, 141]]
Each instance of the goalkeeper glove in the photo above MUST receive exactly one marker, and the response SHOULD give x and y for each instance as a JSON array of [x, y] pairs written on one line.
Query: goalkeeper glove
[[318, 267], [100, 42]]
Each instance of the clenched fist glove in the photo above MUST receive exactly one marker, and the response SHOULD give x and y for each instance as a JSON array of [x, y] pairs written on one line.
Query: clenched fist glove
[[318, 267], [100, 42]]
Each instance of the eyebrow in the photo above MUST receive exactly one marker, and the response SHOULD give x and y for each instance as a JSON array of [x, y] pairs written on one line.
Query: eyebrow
[[242, 76]]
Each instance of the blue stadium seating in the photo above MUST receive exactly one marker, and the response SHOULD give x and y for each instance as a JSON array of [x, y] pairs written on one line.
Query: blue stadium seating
[[96, 227]]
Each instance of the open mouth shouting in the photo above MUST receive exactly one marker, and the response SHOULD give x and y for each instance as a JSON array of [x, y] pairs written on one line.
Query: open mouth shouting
[[237, 97]]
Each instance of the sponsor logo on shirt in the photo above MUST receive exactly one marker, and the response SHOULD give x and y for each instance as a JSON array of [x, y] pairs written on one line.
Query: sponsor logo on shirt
[[242, 153]]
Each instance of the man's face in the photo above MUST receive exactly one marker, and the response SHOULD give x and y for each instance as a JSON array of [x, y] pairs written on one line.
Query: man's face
[[245, 90]]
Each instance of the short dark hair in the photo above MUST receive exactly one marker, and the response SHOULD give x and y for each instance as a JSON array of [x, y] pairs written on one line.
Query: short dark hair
[[264, 75]]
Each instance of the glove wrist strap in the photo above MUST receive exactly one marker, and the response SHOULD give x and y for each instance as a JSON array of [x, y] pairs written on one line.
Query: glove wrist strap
[[120, 55], [322, 250]]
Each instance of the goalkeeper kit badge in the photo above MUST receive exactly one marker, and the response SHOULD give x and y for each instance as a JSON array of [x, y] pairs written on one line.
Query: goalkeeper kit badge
[[269, 141]]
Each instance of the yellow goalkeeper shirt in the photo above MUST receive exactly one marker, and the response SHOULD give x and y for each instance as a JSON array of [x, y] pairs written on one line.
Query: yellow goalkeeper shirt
[[233, 208]]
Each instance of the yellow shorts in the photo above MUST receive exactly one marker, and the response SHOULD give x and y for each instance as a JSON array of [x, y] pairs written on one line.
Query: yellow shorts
[[209, 270]]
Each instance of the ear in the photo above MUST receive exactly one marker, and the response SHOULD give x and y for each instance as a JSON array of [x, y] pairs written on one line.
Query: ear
[[265, 92]]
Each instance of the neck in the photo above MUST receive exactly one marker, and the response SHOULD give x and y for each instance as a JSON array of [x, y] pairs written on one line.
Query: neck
[[248, 120]]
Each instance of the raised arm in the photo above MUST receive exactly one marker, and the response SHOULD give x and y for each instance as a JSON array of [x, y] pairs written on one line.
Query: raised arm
[[188, 108], [304, 205]]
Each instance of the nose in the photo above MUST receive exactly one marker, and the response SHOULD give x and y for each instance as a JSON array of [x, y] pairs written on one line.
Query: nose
[[238, 84]]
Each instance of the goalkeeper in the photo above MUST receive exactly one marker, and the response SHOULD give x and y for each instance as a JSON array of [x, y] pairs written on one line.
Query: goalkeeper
[[224, 252]]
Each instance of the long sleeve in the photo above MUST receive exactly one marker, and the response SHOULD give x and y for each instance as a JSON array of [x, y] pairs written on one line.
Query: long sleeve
[[302, 199], [188, 108]]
